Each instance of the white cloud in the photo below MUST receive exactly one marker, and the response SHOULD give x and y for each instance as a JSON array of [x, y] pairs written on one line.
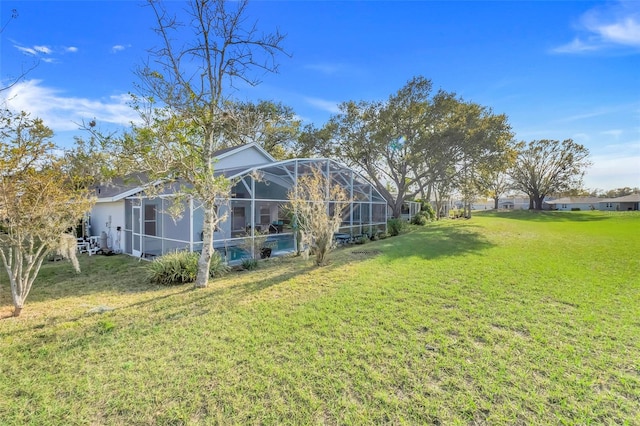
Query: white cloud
[[27, 50], [329, 106], [119, 48], [615, 165], [63, 113], [43, 49], [614, 25], [44, 52]]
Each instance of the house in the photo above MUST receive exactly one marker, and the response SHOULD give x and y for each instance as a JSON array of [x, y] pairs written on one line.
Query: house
[[139, 225], [625, 203], [572, 203], [628, 202]]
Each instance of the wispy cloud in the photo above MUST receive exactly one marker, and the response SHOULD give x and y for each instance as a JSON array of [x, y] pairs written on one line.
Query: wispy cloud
[[598, 112], [63, 113], [323, 104], [119, 48], [43, 49], [27, 50], [43, 52], [615, 25]]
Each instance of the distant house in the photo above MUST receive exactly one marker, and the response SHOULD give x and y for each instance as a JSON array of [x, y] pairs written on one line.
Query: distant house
[[137, 224], [572, 203], [628, 202]]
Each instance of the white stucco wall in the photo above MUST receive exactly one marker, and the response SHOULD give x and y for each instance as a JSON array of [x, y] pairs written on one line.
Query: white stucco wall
[[100, 216]]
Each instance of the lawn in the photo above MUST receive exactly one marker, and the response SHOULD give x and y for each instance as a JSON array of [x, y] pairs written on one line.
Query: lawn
[[506, 318]]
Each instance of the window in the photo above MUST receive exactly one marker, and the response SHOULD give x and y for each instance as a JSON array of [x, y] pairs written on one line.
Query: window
[[150, 220], [265, 215], [564, 206]]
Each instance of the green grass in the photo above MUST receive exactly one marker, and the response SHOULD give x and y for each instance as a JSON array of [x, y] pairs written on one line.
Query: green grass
[[507, 318]]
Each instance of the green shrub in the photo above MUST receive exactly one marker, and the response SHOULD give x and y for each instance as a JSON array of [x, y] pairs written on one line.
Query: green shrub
[[395, 226], [419, 219], [182, 267], [427, 211], [249, 264], [217, 268]]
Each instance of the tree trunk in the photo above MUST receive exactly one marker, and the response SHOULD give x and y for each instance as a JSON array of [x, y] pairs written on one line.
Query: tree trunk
[[531, 206], [538, 201], [204, 262], [495, 202], [16, 311], [397, 209]]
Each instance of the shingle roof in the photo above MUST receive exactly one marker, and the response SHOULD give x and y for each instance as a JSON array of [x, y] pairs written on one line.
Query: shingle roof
[[631, 198]]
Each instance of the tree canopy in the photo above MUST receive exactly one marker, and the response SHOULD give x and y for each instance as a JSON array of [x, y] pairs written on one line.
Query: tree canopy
[[548, 166], [39, 201], [417, 140]]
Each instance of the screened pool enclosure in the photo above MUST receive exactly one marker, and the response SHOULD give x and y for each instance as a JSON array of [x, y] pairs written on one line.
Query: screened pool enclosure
[[259, 221]]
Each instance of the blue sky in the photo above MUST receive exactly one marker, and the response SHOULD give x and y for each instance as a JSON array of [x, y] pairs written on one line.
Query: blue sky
[[568, 69]]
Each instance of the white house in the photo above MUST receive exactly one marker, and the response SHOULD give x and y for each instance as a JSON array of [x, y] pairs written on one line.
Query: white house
[[137, 224], [628, 202], [573, 203], [625, 203]]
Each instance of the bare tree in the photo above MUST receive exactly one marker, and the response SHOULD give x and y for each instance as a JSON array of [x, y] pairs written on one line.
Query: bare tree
[[38, 202], [185, 92], [25, 69], [318, 209]]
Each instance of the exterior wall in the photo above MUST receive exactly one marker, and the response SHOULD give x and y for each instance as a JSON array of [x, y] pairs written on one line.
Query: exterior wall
[[244, 158], [108, 217], [570, 206], [626, 206]]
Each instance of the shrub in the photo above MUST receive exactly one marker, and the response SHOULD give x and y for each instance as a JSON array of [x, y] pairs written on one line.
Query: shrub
[[249, 264], [361, 240], [395, 226], [419, 219], [217, 268], [182, 267], [427, 210]]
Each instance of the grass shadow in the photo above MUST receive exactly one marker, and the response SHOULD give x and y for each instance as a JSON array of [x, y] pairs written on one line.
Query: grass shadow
[[439, 240]]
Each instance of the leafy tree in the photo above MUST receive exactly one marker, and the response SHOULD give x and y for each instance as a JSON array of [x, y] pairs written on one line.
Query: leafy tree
[[621, 192], [493, 180], [473, 139], [185, 104], [38, 201], [388, 140], [272, 125], [547, 166], [417, 140], [316, 142], [318, 208]]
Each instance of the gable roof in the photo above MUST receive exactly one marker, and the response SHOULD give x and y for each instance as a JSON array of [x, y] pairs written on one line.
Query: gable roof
[[631, 198], [122, 188], [575, 200]]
